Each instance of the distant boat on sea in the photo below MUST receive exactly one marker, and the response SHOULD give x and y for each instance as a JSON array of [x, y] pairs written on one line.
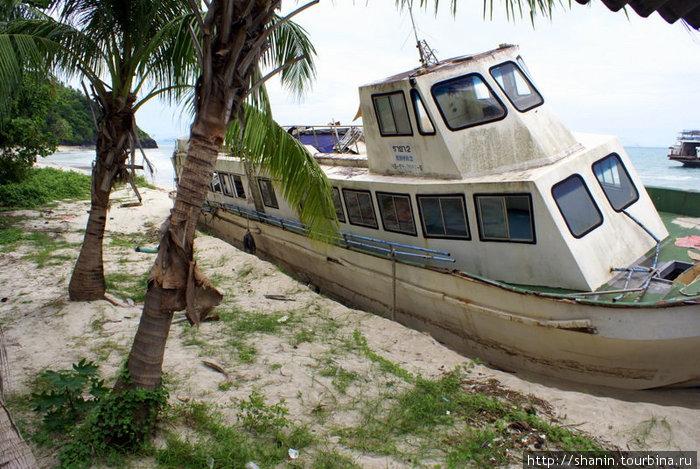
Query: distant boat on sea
[[686, 150]]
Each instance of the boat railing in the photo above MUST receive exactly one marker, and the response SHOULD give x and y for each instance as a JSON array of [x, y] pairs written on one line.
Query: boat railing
[[343, 136], [377, 247], [690, 135]]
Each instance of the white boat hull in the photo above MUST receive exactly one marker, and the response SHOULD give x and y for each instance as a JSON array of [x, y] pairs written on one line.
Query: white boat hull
[[621, 346]]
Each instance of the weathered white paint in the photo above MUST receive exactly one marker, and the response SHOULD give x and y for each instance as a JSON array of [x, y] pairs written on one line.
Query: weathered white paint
[[633, 347], [629, 346]]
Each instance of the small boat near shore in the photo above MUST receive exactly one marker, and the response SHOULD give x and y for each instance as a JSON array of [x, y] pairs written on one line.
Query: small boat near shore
[[469, 211], [686, 150]]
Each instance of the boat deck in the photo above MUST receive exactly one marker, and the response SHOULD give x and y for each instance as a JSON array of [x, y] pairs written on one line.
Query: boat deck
[[654, 279]]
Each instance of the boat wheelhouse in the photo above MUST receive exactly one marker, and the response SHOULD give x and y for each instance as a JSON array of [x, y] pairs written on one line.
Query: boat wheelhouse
[[467, 209]]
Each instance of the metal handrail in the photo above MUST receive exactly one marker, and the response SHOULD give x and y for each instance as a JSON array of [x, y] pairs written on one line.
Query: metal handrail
[[346, 240]]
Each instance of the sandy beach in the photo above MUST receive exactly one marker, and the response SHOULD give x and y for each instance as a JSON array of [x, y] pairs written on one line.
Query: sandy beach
[[43, 330]]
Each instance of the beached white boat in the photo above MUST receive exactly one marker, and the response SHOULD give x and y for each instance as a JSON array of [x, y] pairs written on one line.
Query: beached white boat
[[468, 210]]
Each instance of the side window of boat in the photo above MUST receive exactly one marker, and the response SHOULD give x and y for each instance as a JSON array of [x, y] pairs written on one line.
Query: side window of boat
[[392, 114], [226, 186], [238, 186], [337, 204], [360, 208], [425, 124], [268, 193], [615, 182], [467, 101], [505, 217], [215, 184], [515, 84], [577, 206], [397, 214], [443, 216]]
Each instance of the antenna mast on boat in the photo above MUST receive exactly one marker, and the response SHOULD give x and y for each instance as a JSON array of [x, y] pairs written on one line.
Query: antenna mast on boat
[[427, 55]]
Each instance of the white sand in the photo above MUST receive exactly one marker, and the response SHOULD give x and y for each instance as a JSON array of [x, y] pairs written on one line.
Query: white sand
[[43, 330]]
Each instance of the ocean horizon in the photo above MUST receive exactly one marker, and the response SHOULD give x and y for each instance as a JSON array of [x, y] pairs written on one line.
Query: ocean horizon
[[651, 163]]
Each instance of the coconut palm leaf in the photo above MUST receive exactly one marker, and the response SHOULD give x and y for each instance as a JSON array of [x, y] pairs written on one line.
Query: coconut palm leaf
[[290, 41], [514, 8], [304, 185]]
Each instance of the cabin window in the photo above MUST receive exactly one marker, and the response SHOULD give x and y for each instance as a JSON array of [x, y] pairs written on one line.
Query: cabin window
[[425, 124], [615, 182], [443, 216], [506, 217], [392, 114], [268, 193], [467, 101], [215, 184], [238, 186], [576, 205], [360, 208], [337, 204], [397, 214], [520, 91], [226, 186]]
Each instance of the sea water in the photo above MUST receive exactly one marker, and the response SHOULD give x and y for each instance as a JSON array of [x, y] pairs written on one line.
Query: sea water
[[163, 172], [650, 163], [655, 169]]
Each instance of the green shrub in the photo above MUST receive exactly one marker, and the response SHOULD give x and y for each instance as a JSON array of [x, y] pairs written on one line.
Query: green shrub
[[119, 424], [69, 395], [44, 185]]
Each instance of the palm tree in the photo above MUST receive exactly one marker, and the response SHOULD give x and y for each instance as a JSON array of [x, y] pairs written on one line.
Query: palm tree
[[120, 47], [232, 39]]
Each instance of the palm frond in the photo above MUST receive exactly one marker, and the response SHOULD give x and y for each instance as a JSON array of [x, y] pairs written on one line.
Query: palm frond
[[289, 41], [304, 185], [258, 96], [514, 9], [172, 61], [401, 4], [64, 48]]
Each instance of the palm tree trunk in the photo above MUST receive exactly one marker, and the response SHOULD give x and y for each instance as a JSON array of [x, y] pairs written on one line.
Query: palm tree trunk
[[14, 452], [173, 276], [175, 283], [88, 282]]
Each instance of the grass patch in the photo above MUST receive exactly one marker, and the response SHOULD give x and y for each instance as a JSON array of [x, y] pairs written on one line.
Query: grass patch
[[384, 364], [141, 181], [262, 435], [455, 419], [126, 285], [44, 185], [333, 460], [131, 240], [240, 325], [46, 246], [245, 271], [9, 233], [342, 379]]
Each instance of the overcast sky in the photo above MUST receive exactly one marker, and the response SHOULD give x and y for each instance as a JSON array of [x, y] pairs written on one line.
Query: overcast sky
[[637, 78]]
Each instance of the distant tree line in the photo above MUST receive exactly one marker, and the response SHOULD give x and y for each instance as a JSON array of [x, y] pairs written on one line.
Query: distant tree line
[[42, 115], [70, 121]]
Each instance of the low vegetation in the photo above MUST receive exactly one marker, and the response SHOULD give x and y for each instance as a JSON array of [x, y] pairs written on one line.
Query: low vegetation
[[43, 185], [353, 401]]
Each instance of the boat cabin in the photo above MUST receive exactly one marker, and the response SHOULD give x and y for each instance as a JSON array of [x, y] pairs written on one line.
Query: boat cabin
[[466, 157]]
